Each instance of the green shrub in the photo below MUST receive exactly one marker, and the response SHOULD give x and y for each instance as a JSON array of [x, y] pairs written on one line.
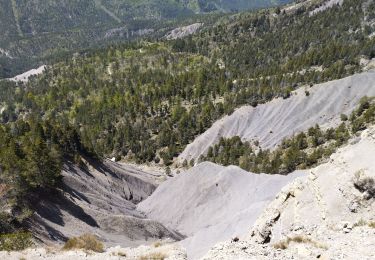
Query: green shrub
[[15, 241], [343, 117], [5, 223]]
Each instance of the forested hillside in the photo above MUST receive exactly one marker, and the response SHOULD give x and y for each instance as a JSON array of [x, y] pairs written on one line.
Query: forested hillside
[[42, 31], [147, 100], [32, 153], [289, 42], [39, 31], [230, 5]]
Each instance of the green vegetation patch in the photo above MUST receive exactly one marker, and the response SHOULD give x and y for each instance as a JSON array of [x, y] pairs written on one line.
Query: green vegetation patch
[[16, 241]]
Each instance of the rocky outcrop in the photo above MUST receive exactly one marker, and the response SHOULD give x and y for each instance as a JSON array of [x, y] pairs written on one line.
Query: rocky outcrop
[[184, 31], [329, 214], [24, 77]]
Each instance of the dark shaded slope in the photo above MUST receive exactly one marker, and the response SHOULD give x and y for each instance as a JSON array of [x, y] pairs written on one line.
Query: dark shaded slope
[[99, 199]]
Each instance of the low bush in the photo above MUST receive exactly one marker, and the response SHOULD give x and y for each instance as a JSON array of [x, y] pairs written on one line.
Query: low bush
[[121, 254], [15, 241], [362, 223], [364, 184], [284, 244], [153, 256], [157, 244], [86, 242]]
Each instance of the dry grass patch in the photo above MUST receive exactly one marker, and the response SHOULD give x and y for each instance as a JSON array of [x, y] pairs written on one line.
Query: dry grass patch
[[362, 223], [86, 242], [158, 244], [153, 256], [284, 244], [121, 254]]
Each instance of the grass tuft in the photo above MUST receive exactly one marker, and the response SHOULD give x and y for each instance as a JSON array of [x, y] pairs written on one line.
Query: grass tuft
[[362, 223], [153, 256], [121, 254], [284, 244], [157, 244]]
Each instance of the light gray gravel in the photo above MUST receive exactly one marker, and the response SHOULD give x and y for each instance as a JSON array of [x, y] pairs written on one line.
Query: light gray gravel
[[211, 203]]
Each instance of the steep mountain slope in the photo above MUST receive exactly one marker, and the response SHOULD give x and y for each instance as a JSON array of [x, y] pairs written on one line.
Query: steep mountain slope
[[270, 123], [34, 30], [269, 46], [231, 5], [211, 203], [99, 198], [35, 17], [328, 215], [167, 93]]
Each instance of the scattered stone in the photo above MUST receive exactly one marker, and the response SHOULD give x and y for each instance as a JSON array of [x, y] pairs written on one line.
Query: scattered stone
[[236, 239]]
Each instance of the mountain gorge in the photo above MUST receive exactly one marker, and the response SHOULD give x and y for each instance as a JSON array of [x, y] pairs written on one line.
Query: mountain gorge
[[170, 126]]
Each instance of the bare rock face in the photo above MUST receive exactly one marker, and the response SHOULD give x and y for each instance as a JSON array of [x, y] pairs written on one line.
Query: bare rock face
[[24, 77], [184, 31], [329, 214]]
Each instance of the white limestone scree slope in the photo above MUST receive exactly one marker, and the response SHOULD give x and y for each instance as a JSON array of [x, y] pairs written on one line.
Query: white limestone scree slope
[[211, 203], [331, 211], [271, 122]]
